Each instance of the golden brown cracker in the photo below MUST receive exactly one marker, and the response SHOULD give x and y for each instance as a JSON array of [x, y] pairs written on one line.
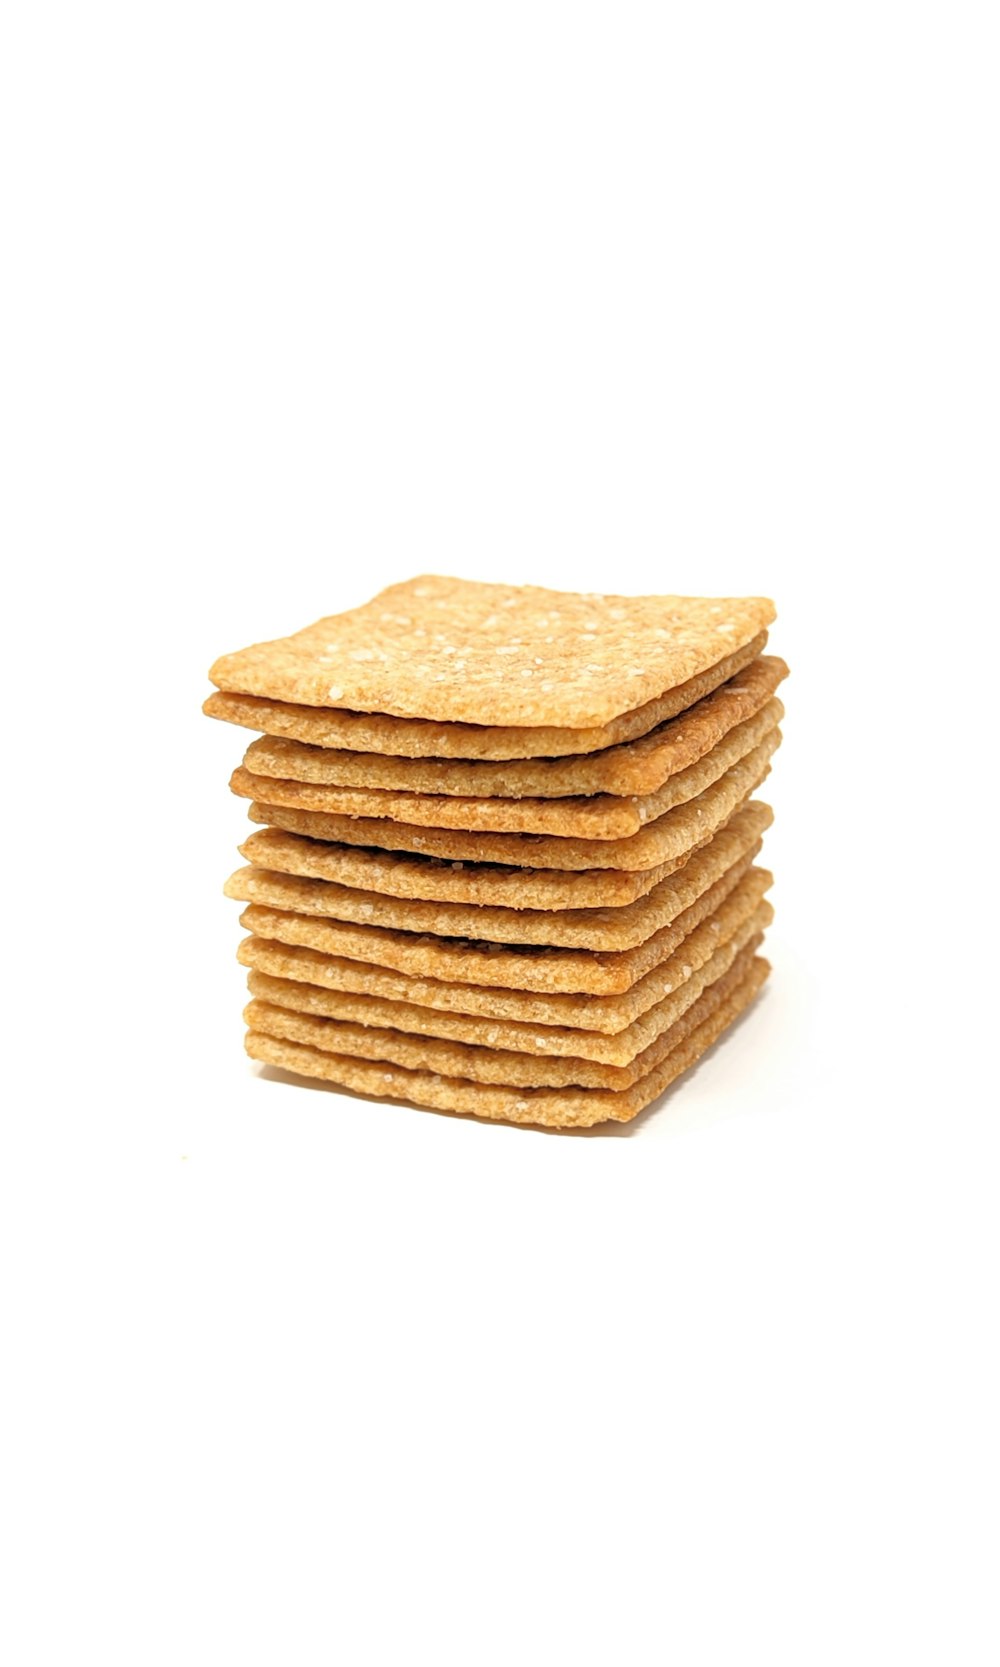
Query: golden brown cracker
[[405, 874], [459, 651], [637, 767], [548, 1107], [603, 816], [486, 1064], [535, 967], [608, 1014], [510, 1035], [590, 929], [377, 732], [669, 837]]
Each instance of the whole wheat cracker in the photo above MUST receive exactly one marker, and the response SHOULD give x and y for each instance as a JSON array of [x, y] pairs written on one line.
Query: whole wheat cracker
[[607, 1013], [589, 929], [670, 836], [549, 1107], [534, 967], [602, 816], [485, 1064], [461, 651], [491, 1032], [407, 875], [377, 732], [636, 767]]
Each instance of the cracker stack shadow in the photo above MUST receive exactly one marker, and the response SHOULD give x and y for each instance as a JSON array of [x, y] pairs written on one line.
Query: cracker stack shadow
[[504, 861]]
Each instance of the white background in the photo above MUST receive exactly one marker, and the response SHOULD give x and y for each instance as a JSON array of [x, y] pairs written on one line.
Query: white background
[[301, 300]]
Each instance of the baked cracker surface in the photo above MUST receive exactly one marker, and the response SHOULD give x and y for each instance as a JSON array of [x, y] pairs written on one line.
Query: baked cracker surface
[[486, 1064], [548, 1107], [407, 876], [635, 767], [670, 836], [539, 968], [587, 929], [600, 816], [377, 732], [461, 651], [574, 1010], [493, 1033]]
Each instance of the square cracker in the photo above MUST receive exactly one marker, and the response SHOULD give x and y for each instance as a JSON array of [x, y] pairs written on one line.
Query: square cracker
[[275, 976], [487, 1064], [377, 732], [491, 1032], [599, 816], [638, 767], [535, 967], [572, 1009], [588, 929], [549, 1107], [525, 891], [672, 835], [459, 651], [408, 874]]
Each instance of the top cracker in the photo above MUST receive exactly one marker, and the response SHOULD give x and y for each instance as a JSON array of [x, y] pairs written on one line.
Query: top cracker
[[455, 650]]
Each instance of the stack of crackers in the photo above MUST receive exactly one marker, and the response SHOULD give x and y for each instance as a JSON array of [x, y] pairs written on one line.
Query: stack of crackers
[[505, 856]]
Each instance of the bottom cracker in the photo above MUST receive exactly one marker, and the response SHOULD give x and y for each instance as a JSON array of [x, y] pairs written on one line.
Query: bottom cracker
[[547, 1107]]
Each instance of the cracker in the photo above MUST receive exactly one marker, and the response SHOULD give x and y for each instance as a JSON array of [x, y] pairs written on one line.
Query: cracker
[[511, 1035], [405, 874], [669, 837], [602, 816], [549, 1107], [638, 767], [460, 651], [569, 1009], [538, 968], [376, 732], [486, 1064], [592, 929]]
